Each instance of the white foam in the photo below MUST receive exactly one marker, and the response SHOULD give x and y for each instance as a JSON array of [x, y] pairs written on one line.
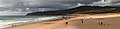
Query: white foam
[[10, 23]]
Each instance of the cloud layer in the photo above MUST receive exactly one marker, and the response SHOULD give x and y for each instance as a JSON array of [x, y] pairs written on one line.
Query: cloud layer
[[42, 3], [54, 3], [20, 7], [107, 3]]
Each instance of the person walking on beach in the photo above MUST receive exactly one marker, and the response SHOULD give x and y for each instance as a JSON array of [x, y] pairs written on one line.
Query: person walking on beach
[[100, 23], [66, 23], [66, 20], [82, 21]]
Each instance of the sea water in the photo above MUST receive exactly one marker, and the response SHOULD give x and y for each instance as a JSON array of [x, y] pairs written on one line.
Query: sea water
[[5, 20]]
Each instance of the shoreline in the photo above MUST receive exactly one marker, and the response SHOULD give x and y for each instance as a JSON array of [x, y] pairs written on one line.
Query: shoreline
[[28, 22], [82, 17]]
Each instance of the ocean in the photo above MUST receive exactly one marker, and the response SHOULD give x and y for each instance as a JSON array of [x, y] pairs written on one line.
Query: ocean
[[5, 21]]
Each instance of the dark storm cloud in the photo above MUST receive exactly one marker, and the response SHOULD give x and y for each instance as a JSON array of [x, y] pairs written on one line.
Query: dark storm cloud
[[26, 6], [43, 3], [49, 5], [57, 3], [54, 3]]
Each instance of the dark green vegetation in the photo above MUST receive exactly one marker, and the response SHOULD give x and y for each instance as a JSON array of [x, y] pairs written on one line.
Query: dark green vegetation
[[99, 11], [80, 10]]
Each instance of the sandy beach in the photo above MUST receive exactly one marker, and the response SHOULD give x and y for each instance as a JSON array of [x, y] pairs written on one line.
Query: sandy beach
[[97, 21]]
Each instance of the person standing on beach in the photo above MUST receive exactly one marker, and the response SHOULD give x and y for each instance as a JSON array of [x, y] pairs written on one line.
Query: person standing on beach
[[82, 21], [66, 20], [100, 23], [66, 23]]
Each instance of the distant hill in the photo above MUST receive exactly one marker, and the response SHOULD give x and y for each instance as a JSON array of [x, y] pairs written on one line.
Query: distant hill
[[81, 9]]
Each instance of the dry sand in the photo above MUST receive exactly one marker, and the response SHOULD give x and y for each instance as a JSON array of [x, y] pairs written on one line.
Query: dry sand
[[110, 21]]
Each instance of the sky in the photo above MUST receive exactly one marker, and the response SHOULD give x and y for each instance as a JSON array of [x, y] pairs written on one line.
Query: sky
[[55, 3], [20, 7], [34, 5]]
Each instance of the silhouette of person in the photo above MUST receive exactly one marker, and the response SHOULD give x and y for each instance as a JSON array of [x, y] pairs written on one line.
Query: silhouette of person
[[82, 21], [100, 23], [66, 23]]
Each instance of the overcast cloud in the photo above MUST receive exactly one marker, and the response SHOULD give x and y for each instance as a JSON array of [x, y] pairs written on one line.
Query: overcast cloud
[[20, 7], [54, 3], [49, 5]]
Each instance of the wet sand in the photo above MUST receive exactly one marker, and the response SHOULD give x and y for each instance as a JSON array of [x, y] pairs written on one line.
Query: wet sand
[[109, 21]]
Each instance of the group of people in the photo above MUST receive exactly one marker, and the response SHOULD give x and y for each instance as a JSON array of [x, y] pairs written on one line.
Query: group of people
[[82, 21], [68, 22], [99, 23]]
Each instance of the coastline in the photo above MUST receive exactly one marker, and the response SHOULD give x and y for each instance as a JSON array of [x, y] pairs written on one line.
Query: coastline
[[29, 22], [80, 17]]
